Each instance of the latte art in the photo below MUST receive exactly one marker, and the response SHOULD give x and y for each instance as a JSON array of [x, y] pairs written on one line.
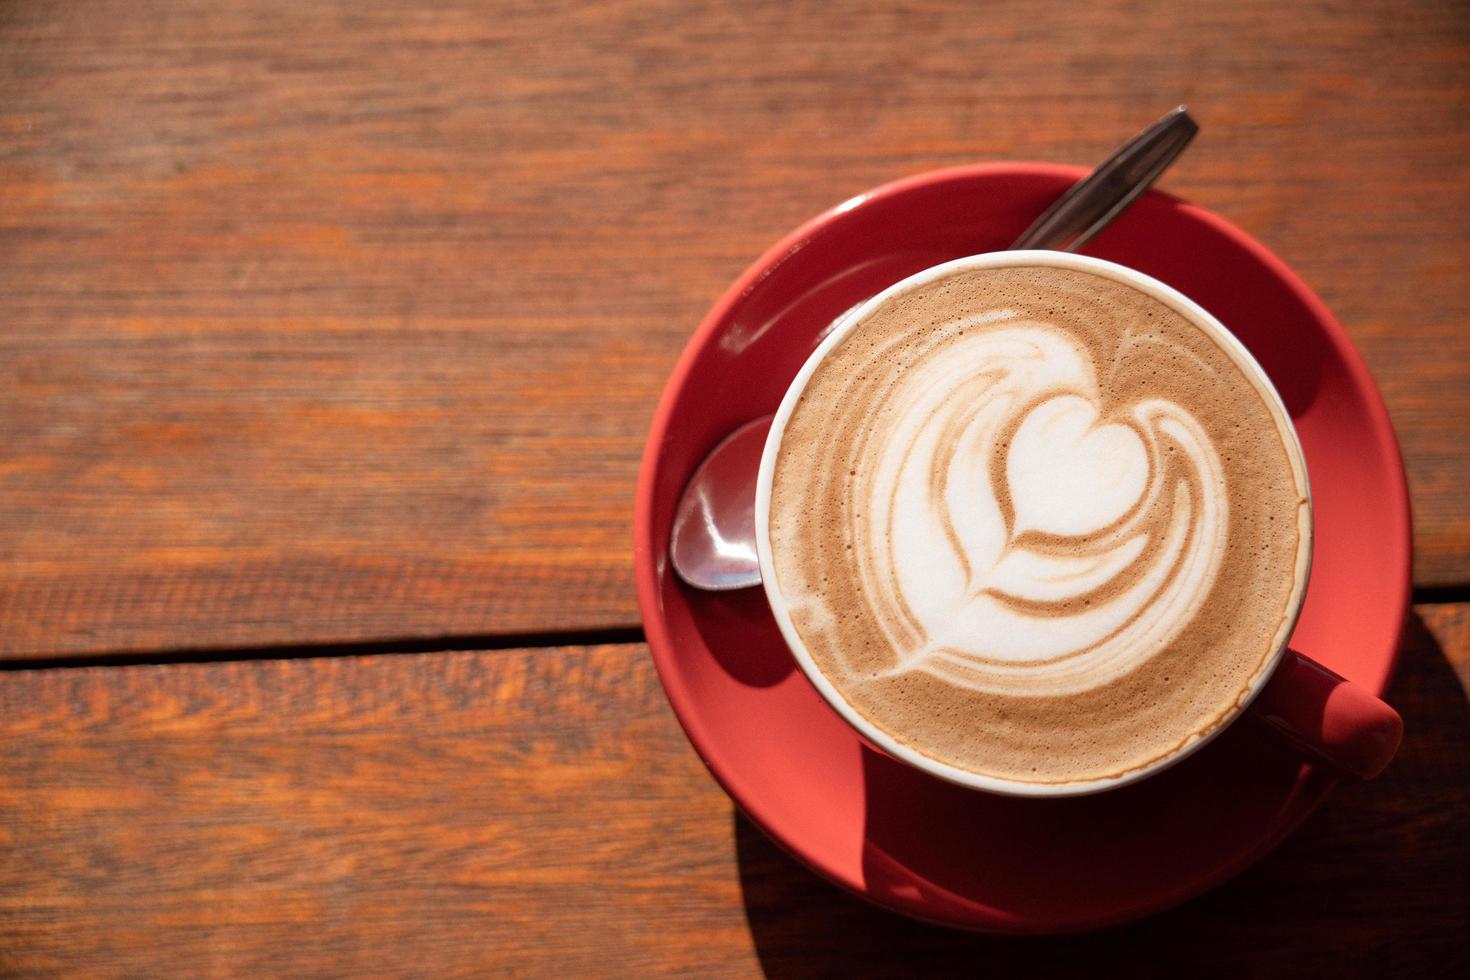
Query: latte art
[[1015, 533], [1034, 523]]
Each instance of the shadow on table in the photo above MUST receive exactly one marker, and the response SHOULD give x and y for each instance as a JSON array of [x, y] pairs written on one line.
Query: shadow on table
[[1377, 882]]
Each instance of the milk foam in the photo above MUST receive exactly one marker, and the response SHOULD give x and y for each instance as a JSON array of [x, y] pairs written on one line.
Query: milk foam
[[1037, 524], [1011, 539]]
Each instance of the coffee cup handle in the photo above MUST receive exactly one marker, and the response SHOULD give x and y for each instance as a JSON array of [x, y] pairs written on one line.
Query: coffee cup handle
[[1328, 718]]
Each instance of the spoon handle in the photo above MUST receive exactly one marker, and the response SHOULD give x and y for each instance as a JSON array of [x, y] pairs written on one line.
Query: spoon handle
[[1090, 204]]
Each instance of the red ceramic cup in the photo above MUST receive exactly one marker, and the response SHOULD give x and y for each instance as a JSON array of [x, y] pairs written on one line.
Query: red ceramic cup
[[925, 847], [1318, 712]]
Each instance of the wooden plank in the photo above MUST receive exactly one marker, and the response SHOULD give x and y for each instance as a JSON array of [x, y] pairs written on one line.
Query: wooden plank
[[539, 813], [343, 321]]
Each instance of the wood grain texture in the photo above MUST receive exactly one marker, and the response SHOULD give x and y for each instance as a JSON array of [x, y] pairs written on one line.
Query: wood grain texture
[[539, 813], [345, 320]]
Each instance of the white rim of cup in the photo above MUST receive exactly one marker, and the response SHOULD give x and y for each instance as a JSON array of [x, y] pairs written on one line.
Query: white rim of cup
[[1164, 293]]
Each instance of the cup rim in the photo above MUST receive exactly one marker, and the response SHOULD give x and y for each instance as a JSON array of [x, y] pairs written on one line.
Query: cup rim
[[1160, 291]]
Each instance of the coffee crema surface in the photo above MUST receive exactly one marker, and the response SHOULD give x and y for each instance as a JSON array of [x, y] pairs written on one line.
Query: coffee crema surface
[[1037, 524]]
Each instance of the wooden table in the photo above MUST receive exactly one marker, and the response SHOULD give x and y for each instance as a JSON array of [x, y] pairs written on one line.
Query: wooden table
[[329, 336]]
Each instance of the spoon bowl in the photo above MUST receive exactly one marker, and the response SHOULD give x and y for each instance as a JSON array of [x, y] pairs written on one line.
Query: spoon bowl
[[712, 544]]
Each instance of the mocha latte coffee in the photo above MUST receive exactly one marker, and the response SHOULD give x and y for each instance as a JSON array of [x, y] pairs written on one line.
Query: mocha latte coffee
[[1036, 524]]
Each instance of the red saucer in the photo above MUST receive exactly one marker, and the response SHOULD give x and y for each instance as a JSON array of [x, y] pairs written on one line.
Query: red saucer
[[913, 843]]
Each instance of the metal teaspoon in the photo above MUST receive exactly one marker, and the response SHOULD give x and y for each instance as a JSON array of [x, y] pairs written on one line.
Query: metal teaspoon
[[712, 544]]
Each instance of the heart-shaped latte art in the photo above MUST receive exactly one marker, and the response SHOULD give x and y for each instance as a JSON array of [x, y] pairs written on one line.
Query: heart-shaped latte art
[[1079, 556], [1069, 476]]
